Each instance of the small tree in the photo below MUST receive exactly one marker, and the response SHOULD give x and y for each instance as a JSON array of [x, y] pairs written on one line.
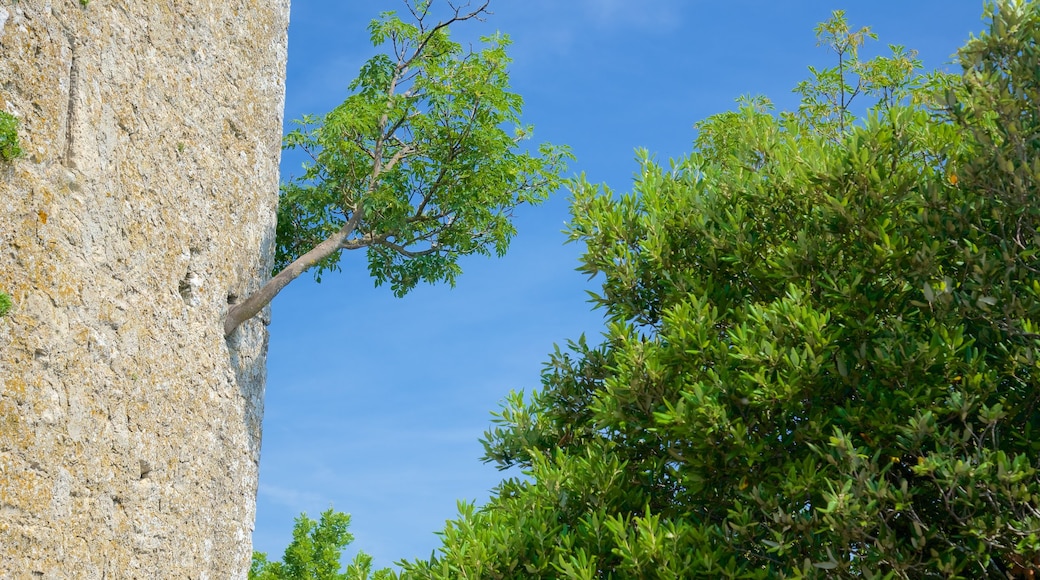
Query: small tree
[[823, 347], [314, 553], [418, 165]]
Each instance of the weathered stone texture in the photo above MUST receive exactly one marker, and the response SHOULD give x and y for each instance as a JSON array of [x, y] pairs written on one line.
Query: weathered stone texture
[[129, 427]]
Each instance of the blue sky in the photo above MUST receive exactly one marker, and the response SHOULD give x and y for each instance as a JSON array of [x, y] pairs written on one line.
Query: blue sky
[[375, 404]]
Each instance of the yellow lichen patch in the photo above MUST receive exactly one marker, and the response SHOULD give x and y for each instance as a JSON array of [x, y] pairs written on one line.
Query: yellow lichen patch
[[9, 423], [13, 431], [14, 387], [24, 490]]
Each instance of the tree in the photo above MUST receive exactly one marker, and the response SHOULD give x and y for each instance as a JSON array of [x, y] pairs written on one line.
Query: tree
[[821, 356], [314, 553], [417, 166]]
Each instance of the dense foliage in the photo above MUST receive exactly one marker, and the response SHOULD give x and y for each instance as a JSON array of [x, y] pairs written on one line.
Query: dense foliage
[[822, 345]]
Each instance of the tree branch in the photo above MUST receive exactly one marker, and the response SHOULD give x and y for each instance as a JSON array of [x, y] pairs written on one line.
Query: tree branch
[[401, 154], [409, 253], [249, 307], [428, 35], [362, 242]]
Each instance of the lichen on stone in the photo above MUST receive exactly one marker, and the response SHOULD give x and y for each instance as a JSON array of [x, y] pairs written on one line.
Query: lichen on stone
[[129, 427]]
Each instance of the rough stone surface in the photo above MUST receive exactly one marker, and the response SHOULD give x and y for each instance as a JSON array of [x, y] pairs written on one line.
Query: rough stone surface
[[129, 426]]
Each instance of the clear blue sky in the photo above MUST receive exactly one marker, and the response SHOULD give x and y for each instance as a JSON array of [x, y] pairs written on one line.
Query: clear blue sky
[[375, 404]]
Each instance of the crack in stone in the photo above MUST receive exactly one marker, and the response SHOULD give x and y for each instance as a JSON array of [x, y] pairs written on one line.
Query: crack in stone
[[70, 119]]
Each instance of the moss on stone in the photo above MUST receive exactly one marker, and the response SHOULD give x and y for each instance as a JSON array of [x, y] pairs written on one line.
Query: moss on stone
[[9, 148]]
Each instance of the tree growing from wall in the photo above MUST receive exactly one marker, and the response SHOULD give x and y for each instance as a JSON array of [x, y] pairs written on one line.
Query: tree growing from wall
[[822, 356], [422, 164]]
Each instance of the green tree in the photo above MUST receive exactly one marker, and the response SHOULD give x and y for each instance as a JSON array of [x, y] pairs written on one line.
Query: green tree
[[420, 165], [821, 355], [314, 553]]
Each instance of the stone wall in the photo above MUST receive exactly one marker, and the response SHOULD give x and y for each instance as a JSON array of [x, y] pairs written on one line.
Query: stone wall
[[129, 426]]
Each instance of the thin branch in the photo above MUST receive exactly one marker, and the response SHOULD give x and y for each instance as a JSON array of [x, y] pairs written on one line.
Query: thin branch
[[428, 35], [409, 253], [432, 190], [418, 217]]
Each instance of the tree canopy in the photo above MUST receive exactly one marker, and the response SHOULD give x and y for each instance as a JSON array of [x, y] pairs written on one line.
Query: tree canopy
[[420, 165], [314, 553], [821, 355]]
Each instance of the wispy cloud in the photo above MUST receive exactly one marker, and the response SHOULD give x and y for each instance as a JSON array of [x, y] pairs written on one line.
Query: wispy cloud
[[662, 14], [294, 499]]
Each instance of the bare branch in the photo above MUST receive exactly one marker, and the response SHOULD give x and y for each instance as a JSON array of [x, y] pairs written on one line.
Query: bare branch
[[428, 35]]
